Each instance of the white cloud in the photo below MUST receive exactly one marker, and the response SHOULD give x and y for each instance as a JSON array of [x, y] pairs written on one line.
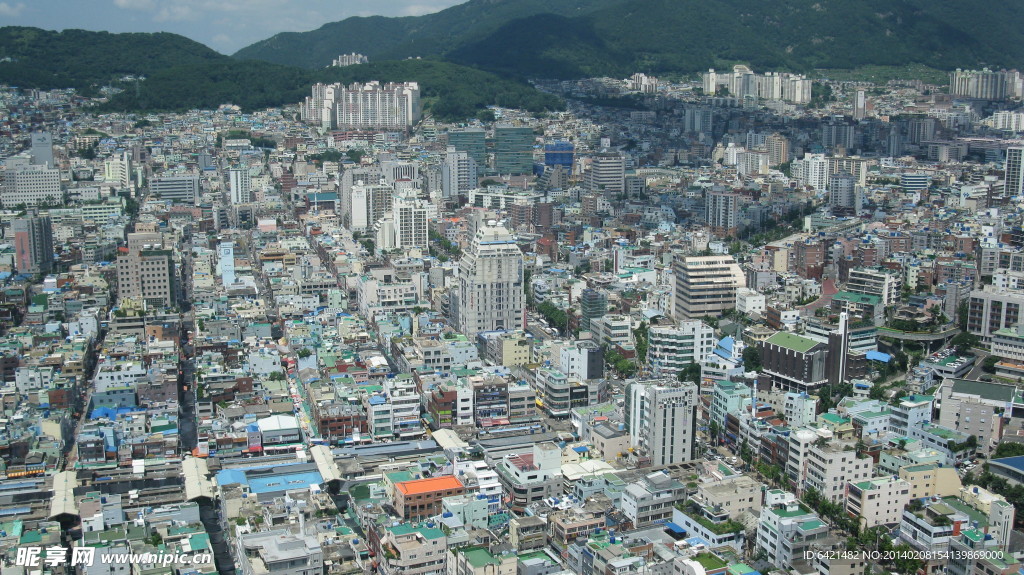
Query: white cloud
[[144, 5], [174, 13], [11, 10]]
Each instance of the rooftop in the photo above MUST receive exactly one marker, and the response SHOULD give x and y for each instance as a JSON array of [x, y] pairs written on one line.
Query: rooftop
[[429, 485], [792, 341]]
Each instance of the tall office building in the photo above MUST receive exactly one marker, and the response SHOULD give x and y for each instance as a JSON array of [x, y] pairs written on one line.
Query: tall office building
[[593, 304], [607, 173], [31, 185], [722, 211], [661, 416], [705, 285], [240, 186], [1014, 177], [147, 276], [176, 189], [458, 173], [393, 106], [33, 244], [473, 141], [42, 149], [490, 294], [513, 149], [860, 105]]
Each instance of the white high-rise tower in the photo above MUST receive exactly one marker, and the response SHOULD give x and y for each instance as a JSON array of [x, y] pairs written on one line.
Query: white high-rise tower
[[490, 293]]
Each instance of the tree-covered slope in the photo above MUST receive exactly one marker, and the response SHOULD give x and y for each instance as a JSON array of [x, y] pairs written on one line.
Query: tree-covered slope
[[396, 38], [36, 58]]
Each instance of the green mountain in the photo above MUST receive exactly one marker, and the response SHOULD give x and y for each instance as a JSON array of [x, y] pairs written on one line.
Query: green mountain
[[35, 58], [181, 74], [577, 38], [382, 38]]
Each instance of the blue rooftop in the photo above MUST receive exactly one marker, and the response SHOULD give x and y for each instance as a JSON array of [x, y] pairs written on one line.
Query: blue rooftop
[[879, 356], [285, 482], [1014, 462]]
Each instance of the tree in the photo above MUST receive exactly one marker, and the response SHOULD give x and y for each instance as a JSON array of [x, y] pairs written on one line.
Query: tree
[[640, 335], [752, 358], [304, 353], [989, 365], [690, 373], [962, 311]]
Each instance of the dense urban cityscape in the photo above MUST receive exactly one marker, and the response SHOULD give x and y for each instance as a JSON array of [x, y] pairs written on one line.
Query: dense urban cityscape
[[741, 322]]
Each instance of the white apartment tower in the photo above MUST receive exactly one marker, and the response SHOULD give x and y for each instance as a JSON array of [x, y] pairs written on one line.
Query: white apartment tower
[[394, 106], [1014, 171], [240, 185], [490, 293], [458, 173]]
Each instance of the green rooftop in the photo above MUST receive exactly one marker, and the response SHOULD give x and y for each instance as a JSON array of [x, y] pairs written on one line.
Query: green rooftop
[[857, 298], [479, 557], [811, 524], [986, 390], [792, 341], [834, 419], [709, 561]]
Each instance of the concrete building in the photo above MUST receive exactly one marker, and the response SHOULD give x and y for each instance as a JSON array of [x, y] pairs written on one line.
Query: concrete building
[[651, 499], [661, 417], [976, 408], [490, 294], [794, 362], [513, 149], [31, 185], [721, 212], [705, 285], [607, 174], [877, 501], [394, 106], [279, 552], [147, 276], [671, 349], [33, 244], [991, 309], [421, 498], [240, 185], [786, 529], [530, 477], [176, 189], [458, 173], [830, 466], [750, 301]]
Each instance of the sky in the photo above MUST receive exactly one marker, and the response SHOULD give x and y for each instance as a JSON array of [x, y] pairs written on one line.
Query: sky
[[224, 25]]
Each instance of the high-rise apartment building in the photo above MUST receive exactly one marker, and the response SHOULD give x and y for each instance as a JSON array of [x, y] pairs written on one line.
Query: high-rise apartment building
[[984, 84], [490, 294], [513, 149], [777, 147], [226, 263], [812, 171], [661, 417], [240, 186], [33, 244], [705, 285], [394, 106], [458, 173], [412, 219], [722, 212], [1014, 176]]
